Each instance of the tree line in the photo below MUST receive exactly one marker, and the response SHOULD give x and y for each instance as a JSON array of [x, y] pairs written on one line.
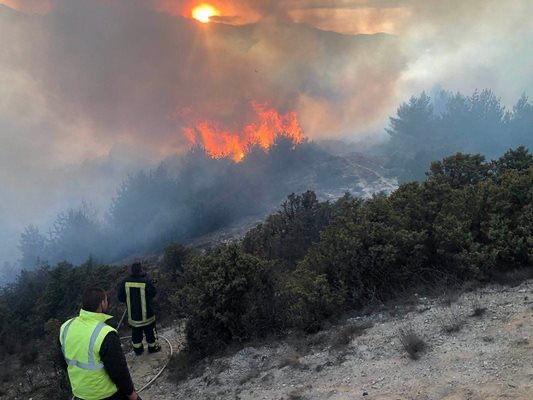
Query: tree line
[[428, 128]]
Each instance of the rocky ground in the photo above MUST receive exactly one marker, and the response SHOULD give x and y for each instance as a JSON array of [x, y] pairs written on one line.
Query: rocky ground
[[478, 346]]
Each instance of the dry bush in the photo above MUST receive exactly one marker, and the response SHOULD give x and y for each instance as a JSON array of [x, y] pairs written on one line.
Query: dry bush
[[450, 296], [477, 309], [413, 344], [344, 335], [452, 321]]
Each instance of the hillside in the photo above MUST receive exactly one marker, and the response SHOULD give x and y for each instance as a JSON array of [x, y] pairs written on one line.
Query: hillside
[[322, 299], [196, 198], [490, 356]]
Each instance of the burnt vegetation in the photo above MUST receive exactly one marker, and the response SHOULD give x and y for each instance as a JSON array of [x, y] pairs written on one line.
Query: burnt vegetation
[[304, 266]]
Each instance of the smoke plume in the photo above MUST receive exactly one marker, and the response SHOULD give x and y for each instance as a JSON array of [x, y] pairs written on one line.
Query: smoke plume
[[86, 85]]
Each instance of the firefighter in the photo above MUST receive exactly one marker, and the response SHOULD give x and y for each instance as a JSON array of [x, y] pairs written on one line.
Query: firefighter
[[96, 365], [137, 291]]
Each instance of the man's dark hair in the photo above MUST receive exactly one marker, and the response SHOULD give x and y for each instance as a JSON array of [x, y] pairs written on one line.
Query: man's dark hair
[[92, 298], [136, 268]]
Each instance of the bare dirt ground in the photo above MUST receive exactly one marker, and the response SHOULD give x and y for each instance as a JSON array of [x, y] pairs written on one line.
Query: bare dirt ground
[[475, 357]]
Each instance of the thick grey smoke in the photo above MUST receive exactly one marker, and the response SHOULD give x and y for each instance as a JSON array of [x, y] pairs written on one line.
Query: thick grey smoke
[[93, 90]]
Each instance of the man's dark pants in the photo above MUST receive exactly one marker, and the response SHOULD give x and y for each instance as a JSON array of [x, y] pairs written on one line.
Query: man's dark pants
[[150, 332]]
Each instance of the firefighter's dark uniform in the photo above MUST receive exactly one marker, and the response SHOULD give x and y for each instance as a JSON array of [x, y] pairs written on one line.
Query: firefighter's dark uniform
[[137, 291]]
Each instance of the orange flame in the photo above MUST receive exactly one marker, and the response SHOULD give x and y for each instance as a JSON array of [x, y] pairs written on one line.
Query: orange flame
[[219, 143], [204, 12]]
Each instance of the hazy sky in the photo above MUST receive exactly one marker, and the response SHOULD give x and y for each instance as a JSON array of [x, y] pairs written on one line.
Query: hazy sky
[[90, 90]]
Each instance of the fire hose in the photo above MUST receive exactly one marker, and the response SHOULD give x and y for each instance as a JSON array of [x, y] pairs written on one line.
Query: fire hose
[[164, 366]]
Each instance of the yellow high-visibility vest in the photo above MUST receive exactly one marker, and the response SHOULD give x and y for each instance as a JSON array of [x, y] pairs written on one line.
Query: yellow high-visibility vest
[[81, 338]]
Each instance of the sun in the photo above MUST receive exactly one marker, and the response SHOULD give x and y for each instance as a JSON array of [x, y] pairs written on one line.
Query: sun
[[203, 12]]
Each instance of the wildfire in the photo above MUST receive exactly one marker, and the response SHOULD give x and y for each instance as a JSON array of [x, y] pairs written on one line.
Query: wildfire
[[203, 12], [219, 143]]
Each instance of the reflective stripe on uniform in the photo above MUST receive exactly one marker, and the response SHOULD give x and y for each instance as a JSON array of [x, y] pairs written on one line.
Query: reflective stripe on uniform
[[156, 338], [91, 365], [128, 299], [142, 290], [64, 335], [140, 324]]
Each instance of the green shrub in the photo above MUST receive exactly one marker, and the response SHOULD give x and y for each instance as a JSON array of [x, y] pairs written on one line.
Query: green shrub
[[174, 259], [227, 296], [286, 235], [308, 300]]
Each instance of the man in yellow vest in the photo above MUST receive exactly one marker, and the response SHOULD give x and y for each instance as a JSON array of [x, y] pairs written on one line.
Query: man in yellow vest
[[96, 365], [138, 291]]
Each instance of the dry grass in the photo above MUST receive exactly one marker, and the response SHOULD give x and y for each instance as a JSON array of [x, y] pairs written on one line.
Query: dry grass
[[411, 342], [450, 296], [452, 321], [476, 305]]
